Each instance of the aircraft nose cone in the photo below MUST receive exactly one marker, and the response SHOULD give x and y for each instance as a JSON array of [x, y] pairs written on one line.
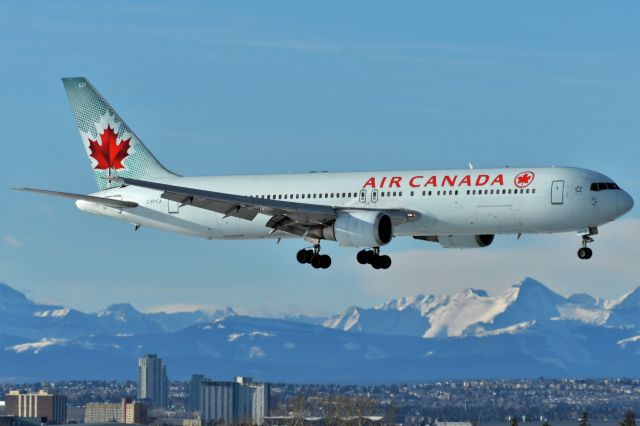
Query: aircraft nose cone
[[624, 203]]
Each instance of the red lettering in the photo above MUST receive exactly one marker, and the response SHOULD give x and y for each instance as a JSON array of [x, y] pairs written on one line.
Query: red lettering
[[466, 179], [384, 179], [448, 180], [482, 180], [498, 180], [395, 181], [432, 181], [412, 181], [370, 182]]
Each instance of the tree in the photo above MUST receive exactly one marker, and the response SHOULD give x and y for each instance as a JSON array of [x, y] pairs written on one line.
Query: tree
[[629, 419], [584, 419], [514, 421], [546, 423]]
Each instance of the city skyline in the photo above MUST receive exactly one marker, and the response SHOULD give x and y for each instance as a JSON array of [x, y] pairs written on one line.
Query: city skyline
[[218, 89]]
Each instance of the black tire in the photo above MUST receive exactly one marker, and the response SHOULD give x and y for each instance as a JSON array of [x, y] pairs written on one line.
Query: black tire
[[582, 253], [302, 257], [316, 261], [385, 262], [589, 253], [325, 261], [375, 262], [363, 257]]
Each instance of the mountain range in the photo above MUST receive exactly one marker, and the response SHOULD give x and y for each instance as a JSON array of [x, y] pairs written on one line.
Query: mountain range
[[527, 331]]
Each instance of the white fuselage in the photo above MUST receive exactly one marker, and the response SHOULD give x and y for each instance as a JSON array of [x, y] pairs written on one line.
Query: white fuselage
[[448, 202]]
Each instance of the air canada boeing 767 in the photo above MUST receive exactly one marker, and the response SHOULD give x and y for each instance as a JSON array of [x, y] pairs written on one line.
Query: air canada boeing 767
[[462, 208]]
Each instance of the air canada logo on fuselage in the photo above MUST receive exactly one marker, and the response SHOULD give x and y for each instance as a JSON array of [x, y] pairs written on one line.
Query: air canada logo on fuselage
[[421, 181], [524, 179]]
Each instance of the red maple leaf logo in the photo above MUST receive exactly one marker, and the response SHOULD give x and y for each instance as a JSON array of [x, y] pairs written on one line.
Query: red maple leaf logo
[[108, 153], [523, 179]]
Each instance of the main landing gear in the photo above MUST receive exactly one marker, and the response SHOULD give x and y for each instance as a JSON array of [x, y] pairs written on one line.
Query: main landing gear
[[585, 252], [373, 258], [314, 258]]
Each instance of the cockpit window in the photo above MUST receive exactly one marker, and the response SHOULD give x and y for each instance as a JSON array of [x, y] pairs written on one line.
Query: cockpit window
[[602, 186]]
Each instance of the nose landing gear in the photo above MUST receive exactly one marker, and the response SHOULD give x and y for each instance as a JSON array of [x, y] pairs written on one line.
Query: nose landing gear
[[373, 258], [314, 258], [585, 252]]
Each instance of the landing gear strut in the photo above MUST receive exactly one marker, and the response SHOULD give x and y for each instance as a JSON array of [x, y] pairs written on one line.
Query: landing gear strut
[[314, 258], [373, 258], [585, 252]]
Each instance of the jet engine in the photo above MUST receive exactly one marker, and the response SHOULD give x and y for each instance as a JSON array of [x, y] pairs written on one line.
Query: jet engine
[[459, 241], [360, 228]]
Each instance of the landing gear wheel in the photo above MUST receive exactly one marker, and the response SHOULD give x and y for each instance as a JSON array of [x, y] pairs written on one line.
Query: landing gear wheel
[[364, 257], [304, 256], [373, 258], [314, 258], [585, 253]]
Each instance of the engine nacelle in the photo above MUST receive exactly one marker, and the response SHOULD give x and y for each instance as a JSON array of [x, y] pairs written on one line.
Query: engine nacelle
[[460, 241], [360, 228]]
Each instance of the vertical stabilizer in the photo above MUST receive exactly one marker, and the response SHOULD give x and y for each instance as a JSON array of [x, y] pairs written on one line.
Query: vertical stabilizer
[[112, 147]]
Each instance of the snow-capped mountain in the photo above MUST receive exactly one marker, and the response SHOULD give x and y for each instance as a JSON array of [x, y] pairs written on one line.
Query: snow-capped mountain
[[23, 318], [527, 331], [474, 312]]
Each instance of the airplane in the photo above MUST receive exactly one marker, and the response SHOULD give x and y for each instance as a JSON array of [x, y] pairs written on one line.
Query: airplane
[[462, 208]]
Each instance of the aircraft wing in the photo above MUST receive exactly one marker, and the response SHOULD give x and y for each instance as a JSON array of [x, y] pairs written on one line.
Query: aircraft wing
[[287, 216], [109, 202]]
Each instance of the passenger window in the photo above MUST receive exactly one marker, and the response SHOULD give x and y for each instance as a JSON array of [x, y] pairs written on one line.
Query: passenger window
[[424, 193], [412, 193], [429, 193], [314, 195], [456, 192], [474, 192], [438, 193], [533, 191], [450, 192], [343, 195], [468, 191], [527, 190], [382, 193], [400, 194], [504, 191]]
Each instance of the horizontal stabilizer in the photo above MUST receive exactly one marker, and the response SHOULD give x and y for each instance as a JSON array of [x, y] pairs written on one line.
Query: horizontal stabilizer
[[109, 202]]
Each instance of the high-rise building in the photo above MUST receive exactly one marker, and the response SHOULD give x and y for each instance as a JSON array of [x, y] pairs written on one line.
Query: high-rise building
[[242, 401], [127, 411], [194, 392], [153, 385], [38, 405]]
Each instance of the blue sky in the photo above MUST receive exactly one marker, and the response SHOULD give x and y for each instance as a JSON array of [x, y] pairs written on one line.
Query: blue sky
[[236, 88]]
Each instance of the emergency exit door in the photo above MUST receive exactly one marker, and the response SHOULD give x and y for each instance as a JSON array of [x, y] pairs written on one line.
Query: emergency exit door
[[557, 192]]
